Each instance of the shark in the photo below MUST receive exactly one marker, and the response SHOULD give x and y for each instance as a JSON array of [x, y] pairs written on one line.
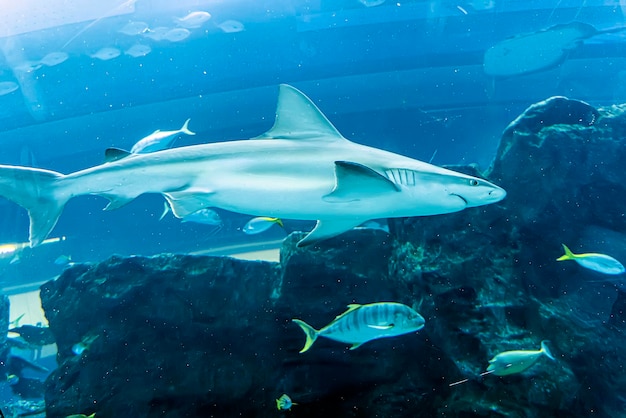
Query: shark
[[302, 168]]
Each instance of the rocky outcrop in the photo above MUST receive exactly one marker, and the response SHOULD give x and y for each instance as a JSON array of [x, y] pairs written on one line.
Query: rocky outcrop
[[212, 336]]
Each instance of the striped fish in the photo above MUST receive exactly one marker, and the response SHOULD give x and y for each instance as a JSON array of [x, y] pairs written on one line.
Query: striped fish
[[363, 323]]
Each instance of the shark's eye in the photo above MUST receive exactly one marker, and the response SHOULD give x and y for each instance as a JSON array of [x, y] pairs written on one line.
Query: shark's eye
[[473, 182]]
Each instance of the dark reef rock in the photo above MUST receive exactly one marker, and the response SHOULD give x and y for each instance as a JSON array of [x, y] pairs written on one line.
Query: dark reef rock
[[208, 336]]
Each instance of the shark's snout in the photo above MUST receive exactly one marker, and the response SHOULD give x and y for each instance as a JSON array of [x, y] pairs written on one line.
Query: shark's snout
[[497, 194]]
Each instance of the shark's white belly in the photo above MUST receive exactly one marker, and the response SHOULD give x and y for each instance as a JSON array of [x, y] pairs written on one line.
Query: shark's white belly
[[285, 179], [291, 182]]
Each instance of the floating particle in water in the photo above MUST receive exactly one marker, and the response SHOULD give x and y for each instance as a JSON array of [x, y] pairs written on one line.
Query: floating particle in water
[[231, 26], [177, 35], [106, 54], [157, 34], [193, 19], [7, 87], [54, 58], [134, 28], [138, 50]]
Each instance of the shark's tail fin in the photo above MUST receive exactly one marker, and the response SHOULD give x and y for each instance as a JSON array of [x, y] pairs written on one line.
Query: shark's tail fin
[[34, 190], [185, 128]]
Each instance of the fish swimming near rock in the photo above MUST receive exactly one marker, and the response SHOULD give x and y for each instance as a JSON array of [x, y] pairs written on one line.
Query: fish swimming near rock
[[35, 335], [537, 51], [16, 322], [284, 403], [204, 216], [85, 344], [64, 261], [511, 362], [261, 224], [601, 263], [363, 323], [302, 168], [14, 249], [160, 140]]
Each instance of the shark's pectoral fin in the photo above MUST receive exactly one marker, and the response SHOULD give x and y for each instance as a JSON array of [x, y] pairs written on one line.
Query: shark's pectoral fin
[[188, 201], [327, 229], [354, 181], [115, 154]]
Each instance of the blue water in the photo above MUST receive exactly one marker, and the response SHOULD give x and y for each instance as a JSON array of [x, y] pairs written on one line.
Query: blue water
[[403, 76]]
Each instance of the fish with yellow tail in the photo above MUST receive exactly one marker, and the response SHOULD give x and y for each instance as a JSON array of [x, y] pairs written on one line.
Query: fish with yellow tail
[[81, 416], [284, 403], [512, 362], [363, 323], [261, 224], [601, 263]]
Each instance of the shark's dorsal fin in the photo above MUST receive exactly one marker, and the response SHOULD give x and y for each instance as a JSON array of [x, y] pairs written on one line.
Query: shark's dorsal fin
[[298, 118], [354, 180], [115, 154]]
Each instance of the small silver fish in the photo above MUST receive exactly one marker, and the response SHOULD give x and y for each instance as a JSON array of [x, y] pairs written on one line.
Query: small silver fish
[[64, 261], [106, 54], [156, 34], [159, 140], [27, 66], [204, 216], [177, 35], [260, 224], [134, 28], [601, 263], [138, 50], [363, 323], [54, 58], [80, 347], [231, 26], [511, 362], [375, 224], [193, 19], [7, 87]]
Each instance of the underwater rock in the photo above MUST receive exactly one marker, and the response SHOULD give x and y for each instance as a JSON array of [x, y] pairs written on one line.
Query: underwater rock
[[172, 333], [557, 110], [492, 276]]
